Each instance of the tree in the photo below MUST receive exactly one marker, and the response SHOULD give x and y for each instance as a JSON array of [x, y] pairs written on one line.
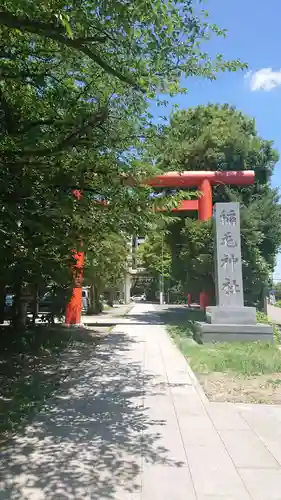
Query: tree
[[192, 256], [154, 254], [107, 261], [155, 257], [218, 137], [75, 83], [276, 287], [147, 45]]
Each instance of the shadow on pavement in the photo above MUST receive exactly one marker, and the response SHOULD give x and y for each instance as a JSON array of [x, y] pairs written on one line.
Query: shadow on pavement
[[172, 315], [33, 363], [88, 440]]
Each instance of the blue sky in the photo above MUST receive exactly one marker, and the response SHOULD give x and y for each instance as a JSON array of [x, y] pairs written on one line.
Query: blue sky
[[253, 37]]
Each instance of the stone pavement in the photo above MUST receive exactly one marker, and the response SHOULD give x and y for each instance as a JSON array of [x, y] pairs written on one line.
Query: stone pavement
[[110, 316], [274, 313], [132, 424]]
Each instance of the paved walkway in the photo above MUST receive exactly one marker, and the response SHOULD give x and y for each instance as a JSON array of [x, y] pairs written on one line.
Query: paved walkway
[[129, 424], [108, 316], [274, 313]]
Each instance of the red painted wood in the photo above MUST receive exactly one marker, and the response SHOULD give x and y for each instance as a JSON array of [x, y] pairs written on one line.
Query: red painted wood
[[204, 300], [193, 179], [205, 201], [187, 205], [74, 307]]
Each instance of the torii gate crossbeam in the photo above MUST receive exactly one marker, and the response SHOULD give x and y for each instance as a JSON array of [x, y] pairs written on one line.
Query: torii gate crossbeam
[[203, 181]]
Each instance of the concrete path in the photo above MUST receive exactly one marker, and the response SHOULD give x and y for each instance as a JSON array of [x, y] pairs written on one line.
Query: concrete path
[[131, 424], [109, 316], [274, 313]]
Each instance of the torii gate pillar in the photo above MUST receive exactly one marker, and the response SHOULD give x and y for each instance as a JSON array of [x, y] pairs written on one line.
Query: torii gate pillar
[[74, 307], [205, 201], [205, 213]]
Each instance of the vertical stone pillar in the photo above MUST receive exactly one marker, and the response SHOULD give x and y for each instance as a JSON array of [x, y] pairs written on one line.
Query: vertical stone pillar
[[228, 263], [230, 320], [228, 269]]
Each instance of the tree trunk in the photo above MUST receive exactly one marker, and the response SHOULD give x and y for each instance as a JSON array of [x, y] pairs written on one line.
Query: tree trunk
[[35, 305], [91, 297], [20, 306], [110, 297], [2, 302], [95, 303]]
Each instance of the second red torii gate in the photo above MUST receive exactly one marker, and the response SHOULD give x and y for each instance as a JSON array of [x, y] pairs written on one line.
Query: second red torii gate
[[203, 181]]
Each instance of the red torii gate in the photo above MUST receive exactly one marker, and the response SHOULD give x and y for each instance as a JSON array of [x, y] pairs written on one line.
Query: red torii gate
[[203, 181]]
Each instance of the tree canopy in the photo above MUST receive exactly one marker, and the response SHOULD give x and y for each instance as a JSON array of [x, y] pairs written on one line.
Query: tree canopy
[[76, 80]]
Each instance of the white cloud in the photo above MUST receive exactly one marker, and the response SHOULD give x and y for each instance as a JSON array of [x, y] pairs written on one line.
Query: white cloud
[[264, 79]]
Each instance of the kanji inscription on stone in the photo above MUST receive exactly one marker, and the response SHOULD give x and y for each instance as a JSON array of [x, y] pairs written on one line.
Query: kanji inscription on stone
[[229, 260], [228, 241], [228, 217], [230, 286], [228, 264]]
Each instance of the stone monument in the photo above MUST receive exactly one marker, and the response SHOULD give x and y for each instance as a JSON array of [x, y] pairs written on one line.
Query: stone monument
[[230, 320]]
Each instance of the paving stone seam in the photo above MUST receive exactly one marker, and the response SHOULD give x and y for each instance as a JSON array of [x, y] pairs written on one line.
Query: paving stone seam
[[142, 431], [226, 449], [206, 404], [199, 389], [176, 415], [261, 440], [115, 329]]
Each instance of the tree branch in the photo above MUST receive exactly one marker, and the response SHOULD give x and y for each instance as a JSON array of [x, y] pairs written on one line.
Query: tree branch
[[57, 34], [7, 115], [91, 39], [67, 142], [22, 75], [37, 123]]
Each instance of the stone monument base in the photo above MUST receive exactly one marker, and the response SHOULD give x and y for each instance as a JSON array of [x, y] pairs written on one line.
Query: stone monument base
[[222, 315], [236, 332]]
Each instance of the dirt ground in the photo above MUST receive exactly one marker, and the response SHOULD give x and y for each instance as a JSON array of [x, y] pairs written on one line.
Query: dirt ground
[[263, 389]]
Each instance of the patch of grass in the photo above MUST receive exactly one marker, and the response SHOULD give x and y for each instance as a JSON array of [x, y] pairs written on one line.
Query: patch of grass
[[181, 317], [107, 307], [245, 359], [31, 369], [183, 331], [180, 324], [275, 382]]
